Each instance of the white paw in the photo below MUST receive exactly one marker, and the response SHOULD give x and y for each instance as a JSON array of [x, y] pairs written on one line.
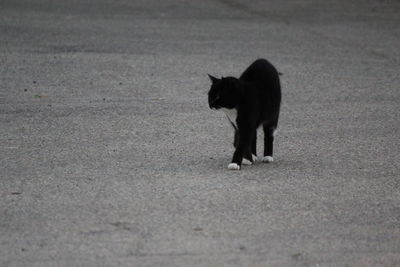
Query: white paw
[[267, 159], [233, 166], [246, 162]]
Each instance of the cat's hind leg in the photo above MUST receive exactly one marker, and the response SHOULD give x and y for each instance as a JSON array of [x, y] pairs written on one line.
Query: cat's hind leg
[[269, 131]]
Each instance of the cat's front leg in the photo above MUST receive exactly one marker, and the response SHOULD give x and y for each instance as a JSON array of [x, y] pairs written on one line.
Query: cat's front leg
[[242, 148], [234, 166], [251, 156]]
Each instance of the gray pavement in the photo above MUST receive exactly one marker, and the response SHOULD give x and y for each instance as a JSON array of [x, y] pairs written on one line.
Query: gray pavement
[[110, 156]]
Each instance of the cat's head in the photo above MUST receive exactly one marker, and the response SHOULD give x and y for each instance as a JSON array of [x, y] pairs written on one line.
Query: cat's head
[[224, 93]]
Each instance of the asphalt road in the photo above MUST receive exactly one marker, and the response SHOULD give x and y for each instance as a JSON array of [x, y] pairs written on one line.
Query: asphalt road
[[110, 156]]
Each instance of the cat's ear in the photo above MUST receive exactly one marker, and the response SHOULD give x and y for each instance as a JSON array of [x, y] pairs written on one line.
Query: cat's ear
[[212, 78]]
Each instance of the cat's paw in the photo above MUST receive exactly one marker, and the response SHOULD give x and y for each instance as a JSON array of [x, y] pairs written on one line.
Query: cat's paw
[[248, 162], [267, 159], [233, 166]]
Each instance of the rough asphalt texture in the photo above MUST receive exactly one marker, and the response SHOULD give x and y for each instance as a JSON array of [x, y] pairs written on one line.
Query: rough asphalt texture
[[110, 156]]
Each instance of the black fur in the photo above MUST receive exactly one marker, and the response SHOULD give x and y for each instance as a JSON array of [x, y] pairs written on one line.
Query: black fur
[[256, 96]]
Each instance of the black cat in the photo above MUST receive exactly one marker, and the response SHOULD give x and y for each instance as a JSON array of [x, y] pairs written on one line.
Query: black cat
[[249, 102]]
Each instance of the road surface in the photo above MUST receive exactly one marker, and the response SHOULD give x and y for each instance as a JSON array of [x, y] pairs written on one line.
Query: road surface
[[110, 156]]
